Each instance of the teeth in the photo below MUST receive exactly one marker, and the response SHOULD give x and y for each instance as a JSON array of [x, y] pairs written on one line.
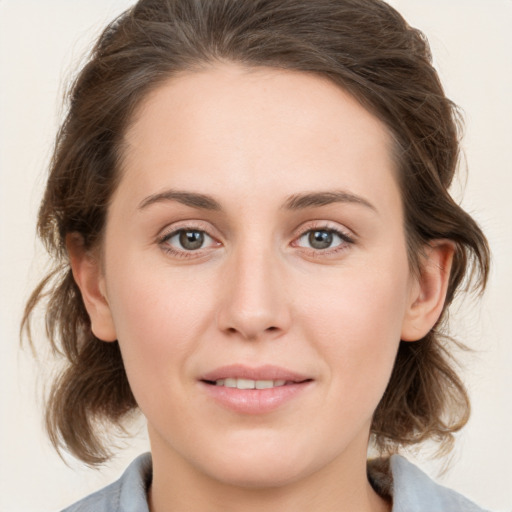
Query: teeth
[[265, 384], [245, 384], [249, 383]]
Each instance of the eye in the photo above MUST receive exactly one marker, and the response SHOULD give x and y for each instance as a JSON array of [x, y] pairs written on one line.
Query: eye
[[323, 239], [187, 240]]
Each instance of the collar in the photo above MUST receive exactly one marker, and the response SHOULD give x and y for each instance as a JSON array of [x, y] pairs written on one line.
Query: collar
[[410, 489]]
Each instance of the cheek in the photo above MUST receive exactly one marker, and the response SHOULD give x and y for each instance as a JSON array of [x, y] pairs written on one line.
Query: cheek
[[158, 317], [356, 321]]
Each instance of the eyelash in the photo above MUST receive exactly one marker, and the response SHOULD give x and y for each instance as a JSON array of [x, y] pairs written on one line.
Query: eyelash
[[163, 242], [346, 241]]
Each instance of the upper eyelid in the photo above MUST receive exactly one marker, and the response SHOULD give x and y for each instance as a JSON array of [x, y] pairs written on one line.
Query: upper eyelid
[[344, 236], [172, 233], [190, 225], [327, 226]]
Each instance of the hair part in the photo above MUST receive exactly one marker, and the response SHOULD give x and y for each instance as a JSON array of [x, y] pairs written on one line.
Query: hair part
[[366, 48]]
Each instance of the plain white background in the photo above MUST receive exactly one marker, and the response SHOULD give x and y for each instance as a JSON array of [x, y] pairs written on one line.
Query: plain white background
[[41, 45]]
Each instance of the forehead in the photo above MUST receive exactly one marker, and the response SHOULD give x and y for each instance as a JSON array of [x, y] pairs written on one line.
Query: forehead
[[229, 126]]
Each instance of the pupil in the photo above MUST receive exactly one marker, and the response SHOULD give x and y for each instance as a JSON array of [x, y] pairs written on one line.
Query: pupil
[[191, 240], [320, 239]]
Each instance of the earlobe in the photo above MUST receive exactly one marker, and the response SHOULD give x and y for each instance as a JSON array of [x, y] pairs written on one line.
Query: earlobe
[[88, 275], [428, 292]]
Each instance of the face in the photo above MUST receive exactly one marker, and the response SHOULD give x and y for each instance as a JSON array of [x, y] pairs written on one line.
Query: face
[[255, 272]]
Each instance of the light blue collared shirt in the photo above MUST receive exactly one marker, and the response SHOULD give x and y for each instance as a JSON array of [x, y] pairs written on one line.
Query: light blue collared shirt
[[411, 490]]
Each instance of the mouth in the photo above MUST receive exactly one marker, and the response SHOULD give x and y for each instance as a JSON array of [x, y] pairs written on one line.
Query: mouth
[[248, 390], [246, 377], [241, 383]]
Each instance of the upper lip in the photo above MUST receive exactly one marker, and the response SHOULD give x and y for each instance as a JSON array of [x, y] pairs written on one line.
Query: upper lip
[[265, 372]]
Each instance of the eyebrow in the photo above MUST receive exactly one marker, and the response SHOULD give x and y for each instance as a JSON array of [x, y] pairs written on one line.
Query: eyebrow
[[294, 202], [191, 199], [316, 199]]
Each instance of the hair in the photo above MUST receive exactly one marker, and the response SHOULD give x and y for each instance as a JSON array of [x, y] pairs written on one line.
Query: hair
[[363, 46]]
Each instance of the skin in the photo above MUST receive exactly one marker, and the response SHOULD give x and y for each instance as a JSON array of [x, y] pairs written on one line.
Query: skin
[[257, 292]]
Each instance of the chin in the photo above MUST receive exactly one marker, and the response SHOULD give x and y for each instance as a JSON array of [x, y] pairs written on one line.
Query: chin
[[260, 468], [260, 476]]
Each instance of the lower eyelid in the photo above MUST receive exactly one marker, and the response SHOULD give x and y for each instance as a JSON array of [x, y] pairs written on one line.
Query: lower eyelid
[[184, 254]]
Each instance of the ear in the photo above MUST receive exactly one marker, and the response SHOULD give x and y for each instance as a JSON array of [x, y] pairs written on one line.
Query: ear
[[428, 291], [88, 275]]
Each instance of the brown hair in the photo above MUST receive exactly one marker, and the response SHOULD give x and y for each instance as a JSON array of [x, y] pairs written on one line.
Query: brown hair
[[366, 48]]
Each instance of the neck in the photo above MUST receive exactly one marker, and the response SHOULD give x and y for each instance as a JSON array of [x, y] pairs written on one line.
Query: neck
[[178, 486]]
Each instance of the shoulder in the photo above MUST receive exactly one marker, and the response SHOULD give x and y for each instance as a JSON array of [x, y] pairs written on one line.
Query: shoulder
[[128, 494], [413, 491]]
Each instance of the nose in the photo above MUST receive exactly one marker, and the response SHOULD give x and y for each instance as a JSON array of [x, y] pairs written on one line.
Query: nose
[[254, 301]]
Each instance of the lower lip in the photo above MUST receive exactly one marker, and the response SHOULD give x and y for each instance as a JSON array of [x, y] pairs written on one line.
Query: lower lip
[[255, 401]]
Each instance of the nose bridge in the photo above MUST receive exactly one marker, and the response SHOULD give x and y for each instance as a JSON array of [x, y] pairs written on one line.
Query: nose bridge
[[254, 303]]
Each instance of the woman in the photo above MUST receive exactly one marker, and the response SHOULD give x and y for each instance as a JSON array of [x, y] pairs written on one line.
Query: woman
[[248, 204]]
